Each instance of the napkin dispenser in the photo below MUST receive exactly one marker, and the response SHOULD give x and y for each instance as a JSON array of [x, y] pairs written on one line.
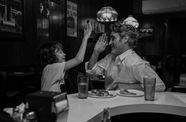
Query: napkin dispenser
[[47, 104]]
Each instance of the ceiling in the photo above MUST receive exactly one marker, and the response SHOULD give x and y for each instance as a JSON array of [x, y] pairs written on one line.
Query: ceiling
[[163, 6]]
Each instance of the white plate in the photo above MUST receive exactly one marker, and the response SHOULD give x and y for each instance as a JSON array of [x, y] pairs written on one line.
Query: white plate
[[111, 94], [137, 93]]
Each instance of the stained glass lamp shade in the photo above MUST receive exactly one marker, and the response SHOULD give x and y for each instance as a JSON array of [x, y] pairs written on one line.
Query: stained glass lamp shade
[[107, 14]]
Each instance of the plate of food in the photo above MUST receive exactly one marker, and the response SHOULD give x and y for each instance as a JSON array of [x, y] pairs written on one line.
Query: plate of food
[[101, 93], [130, 92]]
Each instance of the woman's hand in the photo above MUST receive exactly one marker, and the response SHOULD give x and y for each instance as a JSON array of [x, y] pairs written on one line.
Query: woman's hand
[[87, 30], [101, 43]]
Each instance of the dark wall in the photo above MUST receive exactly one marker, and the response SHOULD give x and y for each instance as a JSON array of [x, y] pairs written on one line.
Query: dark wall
[[172, 25], [176, 40], [16, 49], [153, 44], [22, 49]]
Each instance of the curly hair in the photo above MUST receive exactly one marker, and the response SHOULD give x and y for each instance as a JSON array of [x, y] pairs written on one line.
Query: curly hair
[[47, 52], [124, 29]]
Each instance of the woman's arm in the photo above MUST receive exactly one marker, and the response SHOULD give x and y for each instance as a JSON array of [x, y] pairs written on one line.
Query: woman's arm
[[81, 53]]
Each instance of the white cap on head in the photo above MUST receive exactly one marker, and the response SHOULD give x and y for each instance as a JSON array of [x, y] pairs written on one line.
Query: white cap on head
[[130, 20]]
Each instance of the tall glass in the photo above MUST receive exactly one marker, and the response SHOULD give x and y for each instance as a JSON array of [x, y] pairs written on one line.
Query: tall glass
[[149, 88], [83, 82]]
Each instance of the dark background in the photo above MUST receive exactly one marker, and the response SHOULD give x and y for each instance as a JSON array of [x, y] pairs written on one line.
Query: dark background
[[165, 48]]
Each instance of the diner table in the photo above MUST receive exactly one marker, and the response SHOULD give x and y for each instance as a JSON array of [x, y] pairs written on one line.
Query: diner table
[[91, 109]]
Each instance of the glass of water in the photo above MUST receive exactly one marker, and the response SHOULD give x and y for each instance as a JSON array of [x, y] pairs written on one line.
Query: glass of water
[[83, 82]]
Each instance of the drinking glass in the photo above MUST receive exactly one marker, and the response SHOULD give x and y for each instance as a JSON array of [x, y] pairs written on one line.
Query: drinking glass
[[149, 88], [83, 82]]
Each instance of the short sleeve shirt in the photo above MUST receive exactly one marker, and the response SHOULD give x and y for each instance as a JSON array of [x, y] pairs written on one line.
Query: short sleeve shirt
[[53, 77]]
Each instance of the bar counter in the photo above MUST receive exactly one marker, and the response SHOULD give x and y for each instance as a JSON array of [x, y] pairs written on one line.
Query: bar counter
[[90, 109]]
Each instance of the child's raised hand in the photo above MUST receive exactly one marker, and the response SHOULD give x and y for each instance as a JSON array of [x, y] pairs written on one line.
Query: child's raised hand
[[88, 30]]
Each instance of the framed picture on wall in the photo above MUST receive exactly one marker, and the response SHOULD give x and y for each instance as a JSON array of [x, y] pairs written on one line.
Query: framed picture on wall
[[71, 19], [11, 16]]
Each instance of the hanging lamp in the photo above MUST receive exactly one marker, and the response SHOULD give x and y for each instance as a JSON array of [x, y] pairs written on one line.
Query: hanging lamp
[[107, 14]]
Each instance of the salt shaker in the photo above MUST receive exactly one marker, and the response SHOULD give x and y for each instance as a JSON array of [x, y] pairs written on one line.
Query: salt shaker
[[30, 116], [106, 115]]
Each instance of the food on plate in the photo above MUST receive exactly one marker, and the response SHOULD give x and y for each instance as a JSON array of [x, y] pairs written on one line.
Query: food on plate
[[126, 92], [100, 92]]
